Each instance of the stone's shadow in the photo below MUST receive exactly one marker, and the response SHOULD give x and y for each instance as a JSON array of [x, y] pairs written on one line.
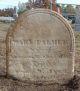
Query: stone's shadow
[[12, 84]]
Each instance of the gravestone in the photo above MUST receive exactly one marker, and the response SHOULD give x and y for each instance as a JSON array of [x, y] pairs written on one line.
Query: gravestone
[[77, 22], [40, 48]]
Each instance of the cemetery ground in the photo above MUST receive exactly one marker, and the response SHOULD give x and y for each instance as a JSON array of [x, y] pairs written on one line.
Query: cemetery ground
[[11, 84]]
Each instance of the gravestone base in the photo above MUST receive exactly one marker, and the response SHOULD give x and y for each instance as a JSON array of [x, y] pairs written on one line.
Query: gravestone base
[[15, 85]]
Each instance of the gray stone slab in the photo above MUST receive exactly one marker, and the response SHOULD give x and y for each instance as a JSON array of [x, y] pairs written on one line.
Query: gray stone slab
[[77, 23], [77, 27]]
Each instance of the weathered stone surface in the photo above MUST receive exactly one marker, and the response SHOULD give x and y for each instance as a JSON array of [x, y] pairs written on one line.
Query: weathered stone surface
[[40, 47]]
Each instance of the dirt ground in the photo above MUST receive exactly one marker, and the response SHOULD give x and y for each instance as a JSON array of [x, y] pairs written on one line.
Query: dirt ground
[[10, 84]]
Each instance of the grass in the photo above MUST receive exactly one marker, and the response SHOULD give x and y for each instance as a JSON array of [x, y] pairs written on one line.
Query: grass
[[4, 26]]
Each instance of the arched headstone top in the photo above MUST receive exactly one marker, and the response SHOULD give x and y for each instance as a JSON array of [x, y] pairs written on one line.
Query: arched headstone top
[[40, 47], [43, 11]]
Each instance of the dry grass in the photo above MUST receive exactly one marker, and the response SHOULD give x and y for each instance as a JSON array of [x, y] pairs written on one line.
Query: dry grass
[[77, 53], [4, 26]]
